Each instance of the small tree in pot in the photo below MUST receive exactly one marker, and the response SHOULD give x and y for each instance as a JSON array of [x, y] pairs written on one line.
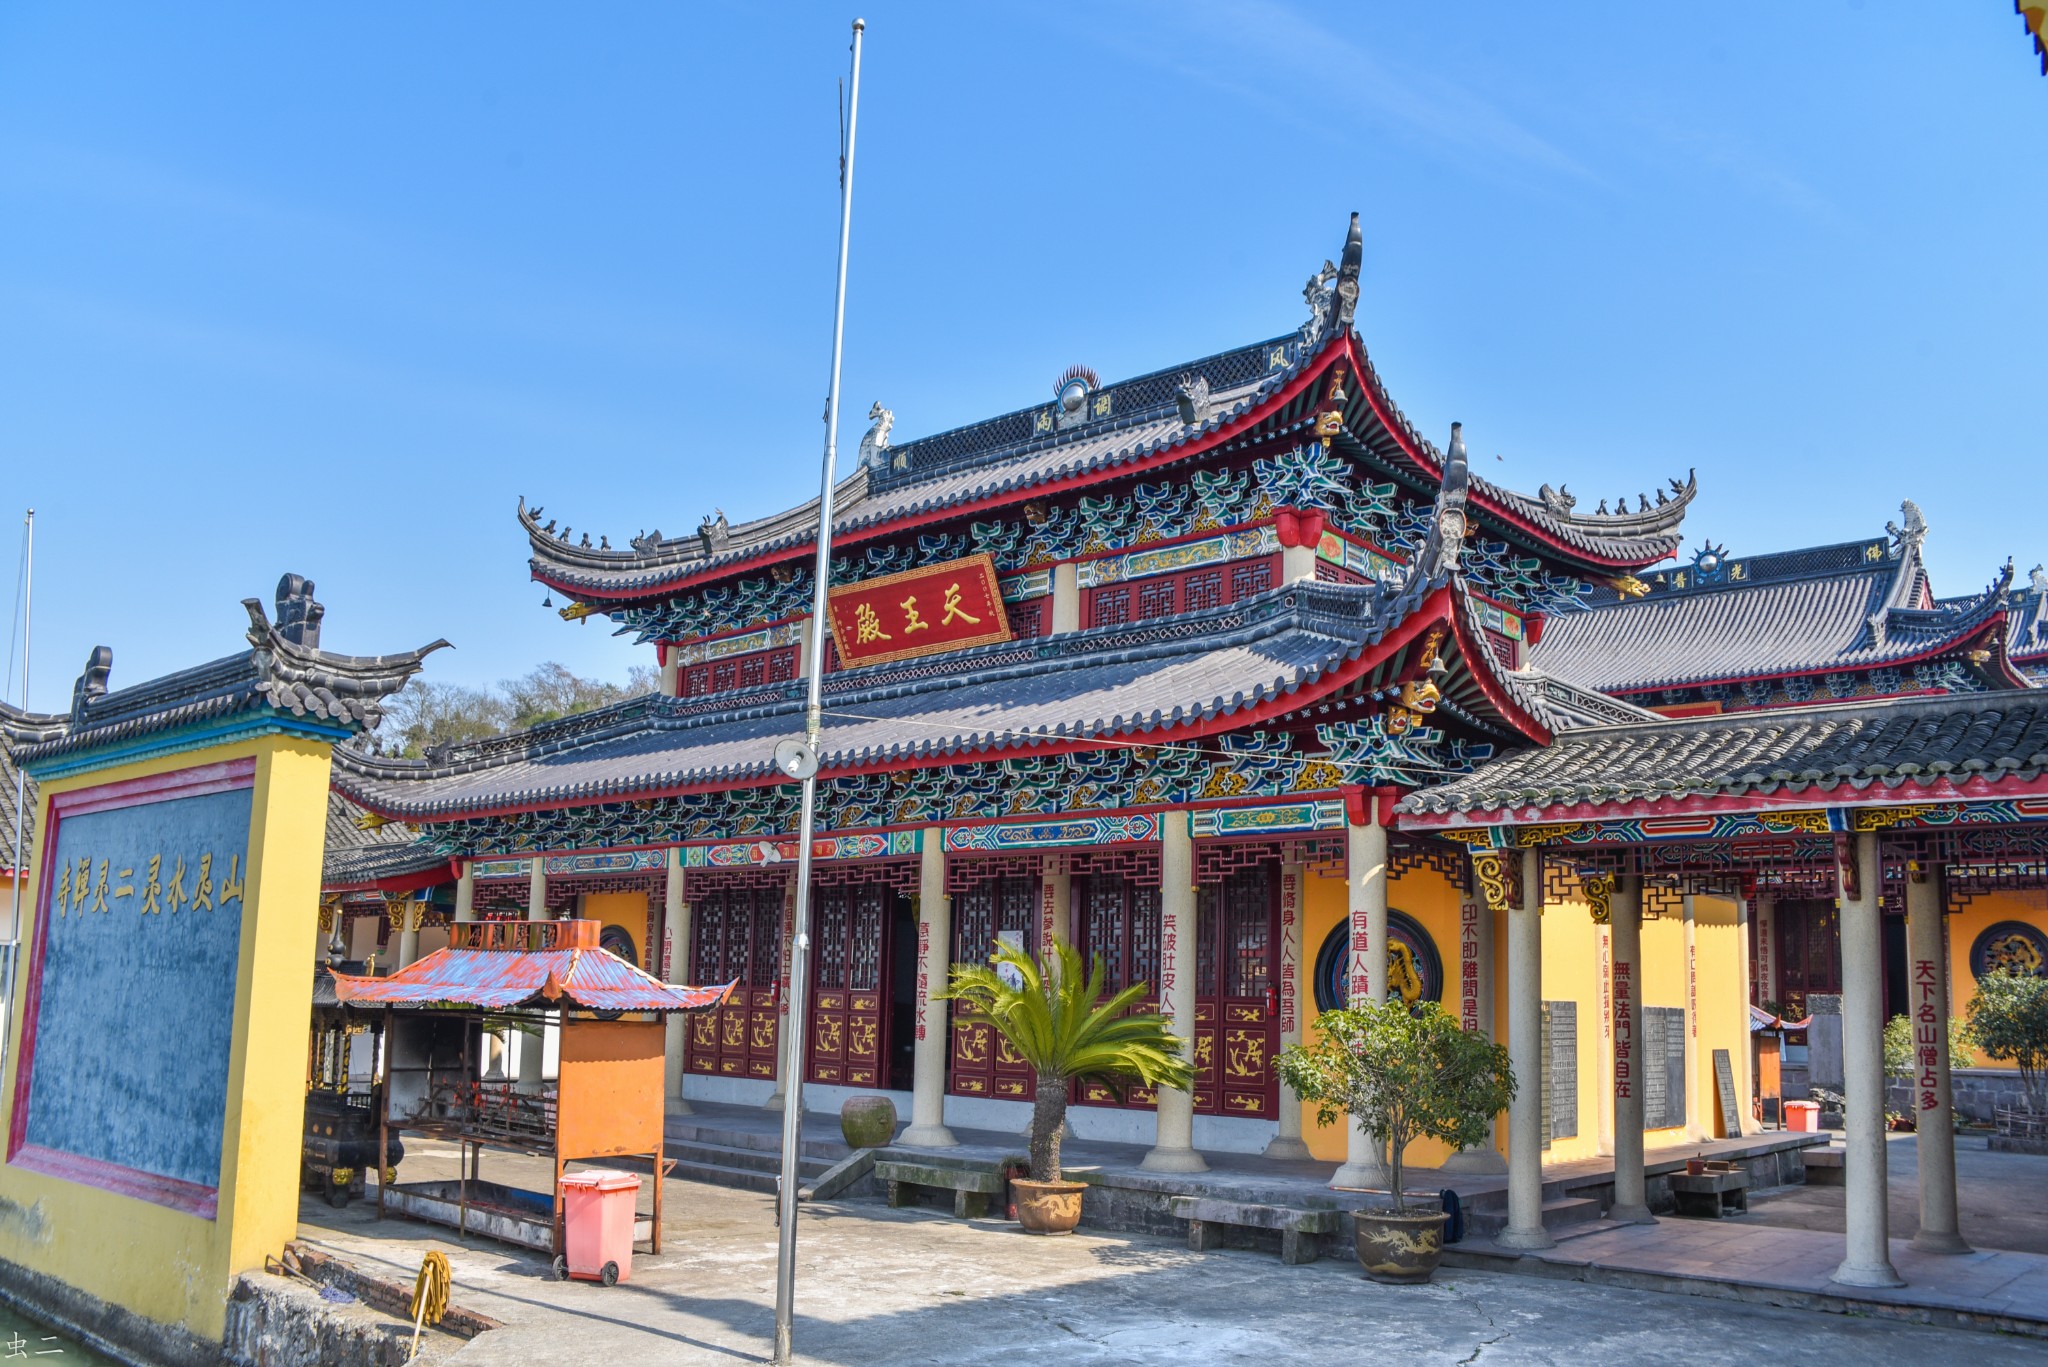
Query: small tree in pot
[[1402, 1074], [1062, 1025]]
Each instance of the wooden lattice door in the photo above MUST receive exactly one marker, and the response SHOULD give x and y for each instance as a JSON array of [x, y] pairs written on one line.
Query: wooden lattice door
[[1119, 924], [1006, 908], [738, 937], [1236, 1012], [847, 1019]]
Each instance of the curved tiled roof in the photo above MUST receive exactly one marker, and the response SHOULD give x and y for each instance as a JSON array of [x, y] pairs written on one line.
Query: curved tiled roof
[[1091, 685], [1763, 626], [1013, 453], [9, 776], [358, 855], [1834, 752]]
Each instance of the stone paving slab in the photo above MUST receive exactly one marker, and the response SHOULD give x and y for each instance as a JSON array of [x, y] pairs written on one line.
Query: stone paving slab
[[1739, 1260], [880, 1286]]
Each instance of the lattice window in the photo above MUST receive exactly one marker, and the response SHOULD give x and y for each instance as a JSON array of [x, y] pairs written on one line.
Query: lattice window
[[832, 919], [900, 874], [724, 675], [1120, 924], [988, 910], [1112, 607], [1027, 619], [1140, 864], [1234, 948], [966, 871], [1328, 573], [703, 882], [1246, 580], [1204, 590], [753, 671], [1155, 598]]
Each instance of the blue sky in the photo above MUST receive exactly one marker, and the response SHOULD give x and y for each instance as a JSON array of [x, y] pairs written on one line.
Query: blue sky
[[327, 288]]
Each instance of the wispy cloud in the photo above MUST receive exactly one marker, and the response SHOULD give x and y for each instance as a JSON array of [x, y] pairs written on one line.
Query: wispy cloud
[[1326, 71]]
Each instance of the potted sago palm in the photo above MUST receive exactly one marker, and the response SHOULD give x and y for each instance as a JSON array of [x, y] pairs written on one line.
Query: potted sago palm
[[1062, 1024], [1402, 1074]]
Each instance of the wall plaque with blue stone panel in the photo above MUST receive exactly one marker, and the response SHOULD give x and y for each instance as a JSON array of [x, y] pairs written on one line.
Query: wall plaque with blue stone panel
[[129, 1001]]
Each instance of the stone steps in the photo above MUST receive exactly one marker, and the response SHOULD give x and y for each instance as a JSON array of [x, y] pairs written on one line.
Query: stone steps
[[1558, 1214], [746, 1160], [1824, 1166]]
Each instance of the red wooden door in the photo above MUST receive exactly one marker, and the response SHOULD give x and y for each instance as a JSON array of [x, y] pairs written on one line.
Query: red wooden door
[[1236, 1017], [738, 936], [847, 1019], [1118, 922], [982, 1063]]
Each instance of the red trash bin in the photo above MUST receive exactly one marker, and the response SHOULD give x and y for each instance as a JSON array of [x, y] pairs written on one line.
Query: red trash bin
[[597, 1218], [1802, 1115]]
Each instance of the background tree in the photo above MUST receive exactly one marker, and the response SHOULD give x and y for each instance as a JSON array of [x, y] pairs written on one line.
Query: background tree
[[2009, 1022], [1899, 1047], [426, 713]]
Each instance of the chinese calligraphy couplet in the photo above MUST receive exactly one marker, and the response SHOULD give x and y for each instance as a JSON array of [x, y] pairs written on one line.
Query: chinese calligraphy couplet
[[84, 891], [1624, 1028], [1927, 1028], [948, 606], [1468, 965]]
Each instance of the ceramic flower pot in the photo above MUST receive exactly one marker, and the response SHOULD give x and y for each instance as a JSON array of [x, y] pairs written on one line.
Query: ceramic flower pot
[[1048, 1207], [1400, 1249], [867, 1122]]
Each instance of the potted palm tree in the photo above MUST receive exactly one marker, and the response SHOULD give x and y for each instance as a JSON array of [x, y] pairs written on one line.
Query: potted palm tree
[[1401, 1073], [1061, 1024]]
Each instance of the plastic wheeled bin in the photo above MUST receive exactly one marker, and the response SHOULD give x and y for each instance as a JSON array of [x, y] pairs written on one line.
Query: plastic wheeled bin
[[597, 1220]]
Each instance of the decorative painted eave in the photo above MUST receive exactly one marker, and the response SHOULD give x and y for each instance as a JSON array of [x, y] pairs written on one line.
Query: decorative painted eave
[[284, 674]]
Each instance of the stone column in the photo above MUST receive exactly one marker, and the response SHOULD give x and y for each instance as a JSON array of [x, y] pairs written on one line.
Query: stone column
[[1631, 1203], [1286, 1142], [1472, 999], [1934, 1135], [1525, 1052], [465, 893], [1173, 1149], [672, 965], [410, 911], [782, 1025], [934, 1040], [1366, 879], [533, 1044], [1869, 1260], [671, 669]]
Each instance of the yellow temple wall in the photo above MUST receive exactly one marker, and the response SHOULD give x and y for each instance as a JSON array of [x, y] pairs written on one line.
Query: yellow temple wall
[[168, 1265], [1978, 916], [626, 910], [1722, 1019], [1571, 972]]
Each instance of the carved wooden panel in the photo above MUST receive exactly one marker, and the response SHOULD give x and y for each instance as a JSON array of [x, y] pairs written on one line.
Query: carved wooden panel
[[847, 1020], [736, 933]]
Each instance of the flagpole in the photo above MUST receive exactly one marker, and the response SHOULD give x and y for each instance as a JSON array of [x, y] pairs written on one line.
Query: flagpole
[[800, 946], [13, 944]]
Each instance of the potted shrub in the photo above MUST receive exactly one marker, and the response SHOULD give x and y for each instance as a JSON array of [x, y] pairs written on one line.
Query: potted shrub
[[1061, 1024], [1401, 1074]]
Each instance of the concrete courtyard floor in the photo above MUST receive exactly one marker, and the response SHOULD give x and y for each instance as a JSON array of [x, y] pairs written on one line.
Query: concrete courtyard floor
[[2001, 1198], [915, 1286]]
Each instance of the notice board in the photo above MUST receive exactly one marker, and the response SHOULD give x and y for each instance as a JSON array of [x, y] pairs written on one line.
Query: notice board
[[129, 1002]]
